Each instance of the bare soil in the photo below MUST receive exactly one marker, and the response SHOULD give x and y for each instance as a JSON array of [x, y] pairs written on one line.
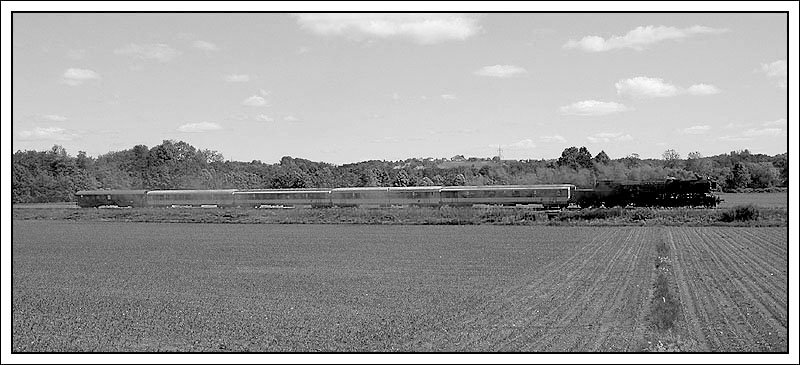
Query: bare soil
[[106, 286]]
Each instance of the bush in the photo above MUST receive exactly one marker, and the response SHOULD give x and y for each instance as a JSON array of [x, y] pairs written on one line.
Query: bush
[[740, 213], [591, 214], [641, 214]]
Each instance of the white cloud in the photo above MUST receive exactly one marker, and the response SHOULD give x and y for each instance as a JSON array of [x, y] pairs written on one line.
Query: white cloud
[[77, 76], [449, 97], [702, 89], [763, 132], [605, 137], [751, 133], [264, 118], [237, 78], [47, 133], [199, 127], [780, 122], [646, 87], [593, 107], [697, 129], [291, 119], [205, 46], [156, 52], [775, 71], [255, 100], [421, 28], [653, 87], [639, 38], [524, 144], [503, 71], [554, 138], [52, 118]]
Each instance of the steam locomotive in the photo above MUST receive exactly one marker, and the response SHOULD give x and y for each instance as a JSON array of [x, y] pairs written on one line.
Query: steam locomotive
[[655, 193], [608, 193]]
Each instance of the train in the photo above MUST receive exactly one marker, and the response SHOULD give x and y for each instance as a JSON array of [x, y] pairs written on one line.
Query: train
[[670, 192], [606, 193]]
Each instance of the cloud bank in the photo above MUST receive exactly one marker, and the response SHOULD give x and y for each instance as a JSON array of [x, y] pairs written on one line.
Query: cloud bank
[[775, 71], [605, 137], [641, 87], [47, 134], [501, 71], [593, 108], [205, 46], [255, 100], [639, 38], [199, 127], [420, 28], [77, 76]]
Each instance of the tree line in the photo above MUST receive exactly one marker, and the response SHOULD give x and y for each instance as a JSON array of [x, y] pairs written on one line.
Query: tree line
[[54, 175]]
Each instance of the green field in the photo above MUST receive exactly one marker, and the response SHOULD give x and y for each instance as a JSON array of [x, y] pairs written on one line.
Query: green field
[[765, 200], [89, 286]]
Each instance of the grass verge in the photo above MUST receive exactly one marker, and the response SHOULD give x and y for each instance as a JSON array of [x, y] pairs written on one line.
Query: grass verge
[[749, 216]]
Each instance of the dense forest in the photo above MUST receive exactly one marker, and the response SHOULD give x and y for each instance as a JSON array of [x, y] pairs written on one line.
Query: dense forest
[[55, 175]]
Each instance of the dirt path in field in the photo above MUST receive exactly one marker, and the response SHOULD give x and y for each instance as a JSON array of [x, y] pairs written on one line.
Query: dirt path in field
[[593, 300], [732, 287]]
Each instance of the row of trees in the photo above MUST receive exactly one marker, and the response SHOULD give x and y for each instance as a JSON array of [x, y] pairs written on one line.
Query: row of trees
[[54, 175]]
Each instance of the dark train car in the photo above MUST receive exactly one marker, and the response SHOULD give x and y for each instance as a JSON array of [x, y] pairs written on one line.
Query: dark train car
[[120, 198], [607, 193], [283, 197], [549, 196], [670, 192], [363, 197], [414, 195], [191, 198]]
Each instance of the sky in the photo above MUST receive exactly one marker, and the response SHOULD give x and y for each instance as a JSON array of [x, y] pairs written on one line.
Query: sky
[[350, 87]]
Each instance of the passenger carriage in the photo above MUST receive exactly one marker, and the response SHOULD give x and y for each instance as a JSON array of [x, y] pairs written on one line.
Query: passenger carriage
[[119, 198], [302, 198], [548, 196], [363, 197], [415, 196], [190, 198]]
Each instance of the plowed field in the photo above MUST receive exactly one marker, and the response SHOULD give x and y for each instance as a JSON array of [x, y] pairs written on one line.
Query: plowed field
[[733, 287], [85, 286]]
